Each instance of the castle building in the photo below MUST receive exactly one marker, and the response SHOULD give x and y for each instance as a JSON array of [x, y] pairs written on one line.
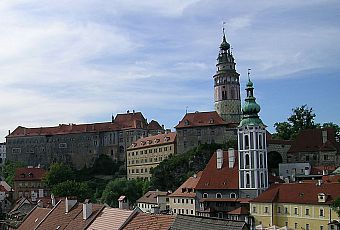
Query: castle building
[[147, 152], [252, 148], [79, 144], [227, 85]]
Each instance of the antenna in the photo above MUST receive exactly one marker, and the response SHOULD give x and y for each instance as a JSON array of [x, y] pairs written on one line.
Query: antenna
[[186, 109], [249, 74]]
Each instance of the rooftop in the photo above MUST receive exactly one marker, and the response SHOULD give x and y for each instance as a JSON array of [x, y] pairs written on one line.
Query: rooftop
[[160, 139], [143, 221], [188, 188], [200, 119], [29, 174], [151, 197]]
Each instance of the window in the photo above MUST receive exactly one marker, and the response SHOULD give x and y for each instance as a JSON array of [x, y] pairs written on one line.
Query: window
[[174, 210], [286, 210], [307, 211], [321, 227], [246, 140], [325, 157], [265, 209], [307, 226], [286, 224], [307, 158], [295, 226], [254, 209], [174, 200], [192, 212], [232, 195], [321, 212], [62, 145], [296, 211], [218, 195], [205, 195], [247, 180], [247, 161], [278, 209]]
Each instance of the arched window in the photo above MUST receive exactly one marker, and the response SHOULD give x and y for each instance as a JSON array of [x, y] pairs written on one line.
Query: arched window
[[247, 161], [260, 141], [218, 195], [233, 195], [262, 179], [261, 160], [205, 195]]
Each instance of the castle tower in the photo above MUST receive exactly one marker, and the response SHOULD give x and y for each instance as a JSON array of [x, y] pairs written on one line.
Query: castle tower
[[253, 169], [226, 85]]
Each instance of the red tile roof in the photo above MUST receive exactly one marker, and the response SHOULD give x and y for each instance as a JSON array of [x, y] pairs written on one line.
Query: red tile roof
[[239, 211], [110, 219], [319, 169], [299, 193], [143, 221], [331, 178], [310, 140], [188, 188], [160, 139], [199, 119], [72, 220], [2, 189], [151, 197], [28, 174], [34, 218], [154, 125], [224, 178], [122, 121]]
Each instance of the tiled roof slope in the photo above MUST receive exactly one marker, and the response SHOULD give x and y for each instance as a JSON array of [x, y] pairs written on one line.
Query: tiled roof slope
[[151, 197], [200, 119], [160, 139], [23, 174], [239, 211], [110, 219], [121, 122], [224, 178], [187, 189], [310, 140], [73, 220], [154, 125], [34, 218], [183, 222], [299, 193], [143, 221]]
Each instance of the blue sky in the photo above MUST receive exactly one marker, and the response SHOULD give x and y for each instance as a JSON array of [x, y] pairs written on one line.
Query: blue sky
[[81, 61]]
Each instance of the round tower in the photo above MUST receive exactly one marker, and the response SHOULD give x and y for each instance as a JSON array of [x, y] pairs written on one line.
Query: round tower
[[252, 148], [226, 85]]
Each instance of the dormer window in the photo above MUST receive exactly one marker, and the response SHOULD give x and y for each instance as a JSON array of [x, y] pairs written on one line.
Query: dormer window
[[156, 140], [211, 121], [186, 122], [142, 142], [322, 198], [149, 142], [22, 175]]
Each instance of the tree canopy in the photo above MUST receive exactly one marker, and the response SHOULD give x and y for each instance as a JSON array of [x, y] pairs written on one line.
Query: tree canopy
[[72, 188], [132, 189], [8, 171], [58, 173], [177, 168], [336, 205]]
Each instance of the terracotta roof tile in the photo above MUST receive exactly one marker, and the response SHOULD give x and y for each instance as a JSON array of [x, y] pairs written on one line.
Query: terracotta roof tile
[[199, 119], [131, 120], [160, 139], [151, 197], [224, 178], [34, 218], [143, 221], [310, 140], [299, 193], [110, 219], [72, 220], [154, 125], [187, 189], [28, 174], [239, 211]]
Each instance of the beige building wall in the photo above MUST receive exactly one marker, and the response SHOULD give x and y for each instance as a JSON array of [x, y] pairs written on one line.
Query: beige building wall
[[182, 205], [294, 216], [141, 160]]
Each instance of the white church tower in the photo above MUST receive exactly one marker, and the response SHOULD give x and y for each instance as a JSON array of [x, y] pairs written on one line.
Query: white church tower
[[252, 157]]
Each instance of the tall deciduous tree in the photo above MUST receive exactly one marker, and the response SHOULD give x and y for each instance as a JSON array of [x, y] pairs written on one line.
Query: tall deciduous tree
[[8, 171], [58, 172], [302, 118], [72, 188]]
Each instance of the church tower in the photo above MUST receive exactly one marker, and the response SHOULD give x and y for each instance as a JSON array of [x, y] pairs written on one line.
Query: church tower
[[253, 169], [226, 85]]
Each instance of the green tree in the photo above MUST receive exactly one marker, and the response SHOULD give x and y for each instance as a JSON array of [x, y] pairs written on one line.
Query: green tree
[[336, 205], [177, 168], [132, 189], [104, 165], [72, 188], [58, 173], [302, 118], [9, 170]]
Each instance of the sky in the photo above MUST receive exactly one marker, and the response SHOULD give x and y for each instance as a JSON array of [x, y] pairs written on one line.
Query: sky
[[81, 61]]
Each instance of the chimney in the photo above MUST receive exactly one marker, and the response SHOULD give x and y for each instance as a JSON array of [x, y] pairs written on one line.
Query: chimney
[[319, 183], [40, 204], [87, 209], [231, 155], [52, 200], [307, 171], [219, 154], [324, 136], [69, 204], [123, 202], [9, 132]]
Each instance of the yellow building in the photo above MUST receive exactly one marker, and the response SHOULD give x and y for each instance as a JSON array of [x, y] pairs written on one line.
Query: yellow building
[[303, 206], [146, 153]]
